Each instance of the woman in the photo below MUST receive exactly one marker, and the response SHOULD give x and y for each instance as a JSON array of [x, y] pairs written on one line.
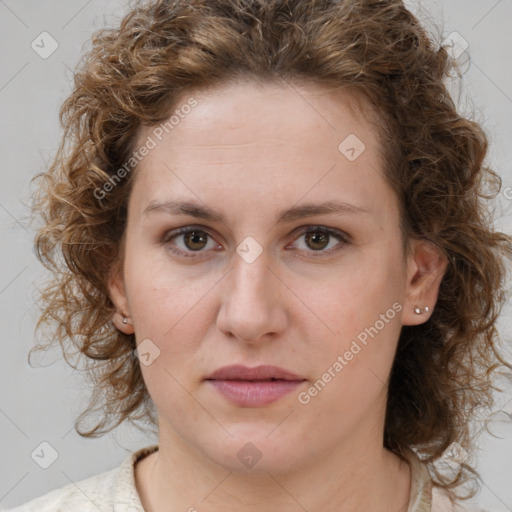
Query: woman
[[273, 224]]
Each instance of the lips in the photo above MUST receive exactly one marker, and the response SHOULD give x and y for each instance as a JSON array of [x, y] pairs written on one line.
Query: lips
[[253, 387], [264, 372]]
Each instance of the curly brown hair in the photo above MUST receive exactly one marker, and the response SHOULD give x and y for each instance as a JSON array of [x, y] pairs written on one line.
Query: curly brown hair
[[134, 75]]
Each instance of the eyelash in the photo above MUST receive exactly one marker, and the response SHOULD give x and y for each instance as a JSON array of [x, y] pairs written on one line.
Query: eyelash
[[343, 238]]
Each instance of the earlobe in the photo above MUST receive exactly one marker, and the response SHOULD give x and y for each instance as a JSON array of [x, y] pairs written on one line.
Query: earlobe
[[426, 268], [117, 293], [123, 323]]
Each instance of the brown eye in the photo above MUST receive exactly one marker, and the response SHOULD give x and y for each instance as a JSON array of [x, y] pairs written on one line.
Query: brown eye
[[195, 240], [317, 240], [187, 241], [323, 241]]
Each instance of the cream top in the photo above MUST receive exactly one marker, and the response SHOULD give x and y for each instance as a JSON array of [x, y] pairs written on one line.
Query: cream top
[[115, 491]]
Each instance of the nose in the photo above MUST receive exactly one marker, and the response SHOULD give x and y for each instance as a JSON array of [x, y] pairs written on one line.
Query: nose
[[252, 308]]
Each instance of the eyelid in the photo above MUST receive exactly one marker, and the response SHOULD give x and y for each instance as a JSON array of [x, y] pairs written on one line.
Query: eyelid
[[320, 227]]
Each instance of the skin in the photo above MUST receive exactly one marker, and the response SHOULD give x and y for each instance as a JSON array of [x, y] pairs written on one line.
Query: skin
[[250, 150]]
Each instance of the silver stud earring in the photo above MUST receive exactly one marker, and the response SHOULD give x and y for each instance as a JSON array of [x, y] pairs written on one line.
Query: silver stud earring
[[418, 311], [125, 320]]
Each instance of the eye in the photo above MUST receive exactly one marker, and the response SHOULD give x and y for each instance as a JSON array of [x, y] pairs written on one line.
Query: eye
[[194, 240], [318, 238]]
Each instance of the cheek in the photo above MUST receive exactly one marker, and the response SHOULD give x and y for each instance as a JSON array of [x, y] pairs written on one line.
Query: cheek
[[162, 297], [355, 296], [352, 367], [360, 311], [173, 308], [170, 311]]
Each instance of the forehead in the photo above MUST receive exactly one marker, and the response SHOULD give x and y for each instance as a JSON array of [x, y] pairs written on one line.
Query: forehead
[[265, 136], [237, 116], [298, 108]]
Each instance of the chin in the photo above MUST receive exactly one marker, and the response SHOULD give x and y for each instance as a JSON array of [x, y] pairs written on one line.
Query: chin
[[258, 449]]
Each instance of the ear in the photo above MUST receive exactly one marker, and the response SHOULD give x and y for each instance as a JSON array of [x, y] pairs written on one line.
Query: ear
[[117, 292], [426, 265]]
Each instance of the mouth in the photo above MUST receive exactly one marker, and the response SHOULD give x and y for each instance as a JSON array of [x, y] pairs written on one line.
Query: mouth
[[253, 387]]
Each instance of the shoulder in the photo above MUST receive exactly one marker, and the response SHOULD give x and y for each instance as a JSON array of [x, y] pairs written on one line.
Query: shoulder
[[427, 497], [441, 503], [98, 493], [86, 495]]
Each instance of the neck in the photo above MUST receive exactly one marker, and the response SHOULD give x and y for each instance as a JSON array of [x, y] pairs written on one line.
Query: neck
[[351, 479]]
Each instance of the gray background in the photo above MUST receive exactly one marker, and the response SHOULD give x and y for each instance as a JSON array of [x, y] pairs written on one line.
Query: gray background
[[41, 404]]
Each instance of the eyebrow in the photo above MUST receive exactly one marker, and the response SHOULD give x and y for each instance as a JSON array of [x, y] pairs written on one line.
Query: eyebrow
[[200, 211]]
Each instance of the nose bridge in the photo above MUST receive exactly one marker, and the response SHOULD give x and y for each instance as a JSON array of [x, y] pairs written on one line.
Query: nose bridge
[[249, 276], [250, 306], [250, 272]]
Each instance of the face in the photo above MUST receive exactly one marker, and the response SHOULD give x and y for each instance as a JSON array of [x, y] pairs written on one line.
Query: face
[[261, 231]]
